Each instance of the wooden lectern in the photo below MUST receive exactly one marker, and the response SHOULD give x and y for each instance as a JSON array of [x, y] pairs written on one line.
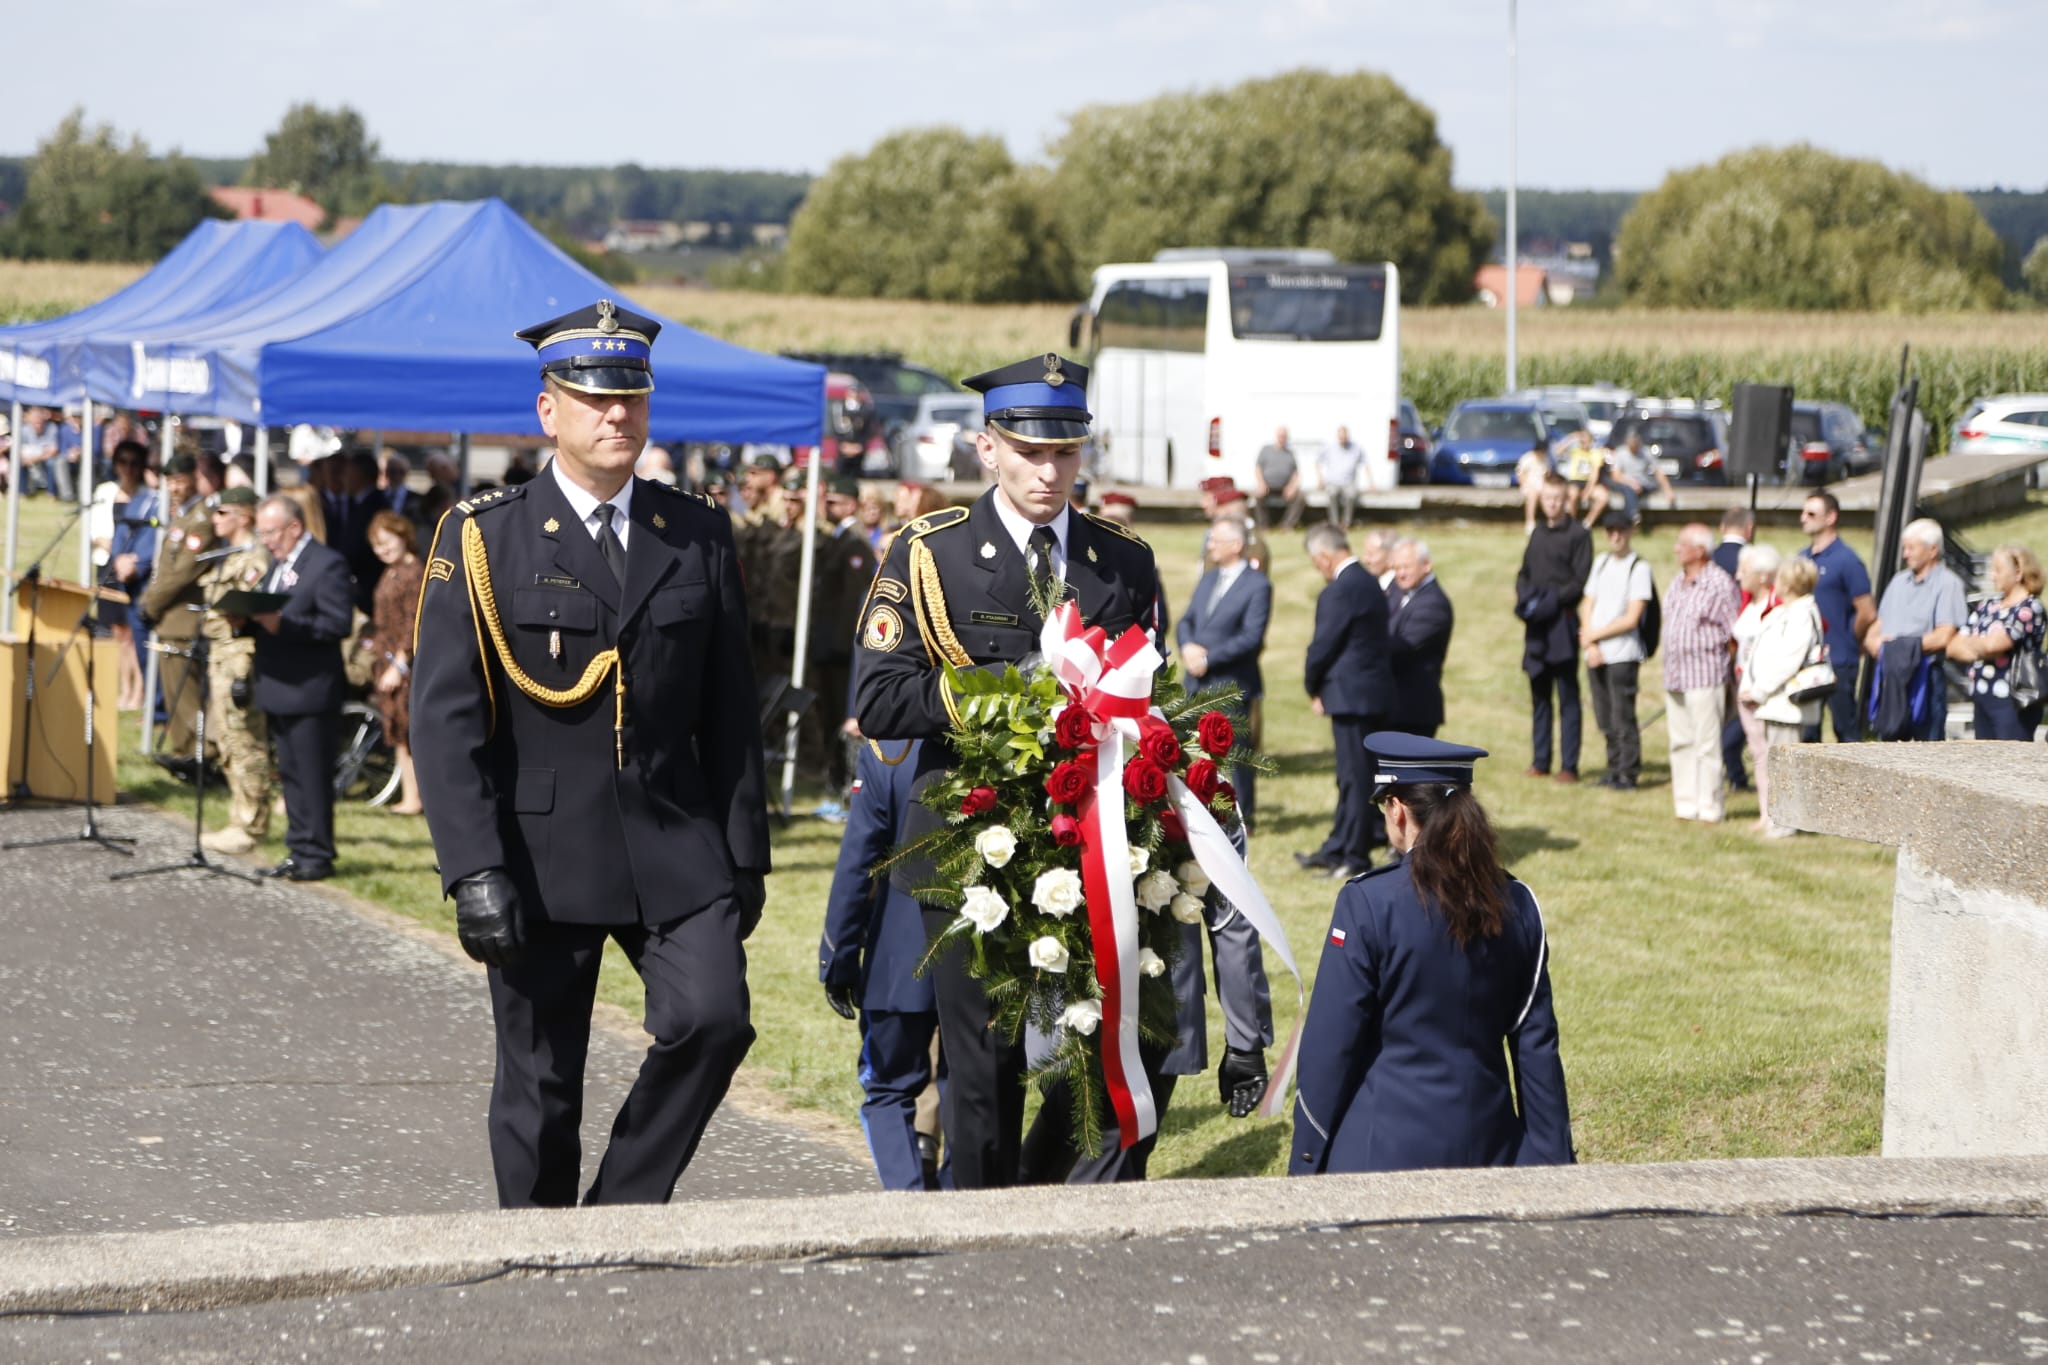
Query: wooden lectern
[[42, 743]]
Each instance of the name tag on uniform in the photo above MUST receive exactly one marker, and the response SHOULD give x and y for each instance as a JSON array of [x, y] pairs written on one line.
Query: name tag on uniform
[[992, 618], [544, 581]]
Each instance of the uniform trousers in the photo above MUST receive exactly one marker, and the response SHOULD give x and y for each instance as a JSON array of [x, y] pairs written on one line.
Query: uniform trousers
[[1693, 720], [982, 1106], [695, 973], [179, 679], [305, 769], [895, 1068], [1049, 1155], [241, 736]]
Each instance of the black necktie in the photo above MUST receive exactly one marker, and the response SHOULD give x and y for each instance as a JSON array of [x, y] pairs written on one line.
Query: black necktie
[[1039, 547], [609, 546]]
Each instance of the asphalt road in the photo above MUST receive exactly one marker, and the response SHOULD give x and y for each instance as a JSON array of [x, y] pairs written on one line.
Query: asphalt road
[[1747, 1290], [184, 1050]]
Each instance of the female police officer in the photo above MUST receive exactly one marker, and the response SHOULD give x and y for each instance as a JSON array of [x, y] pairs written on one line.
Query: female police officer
[[1431, 963]]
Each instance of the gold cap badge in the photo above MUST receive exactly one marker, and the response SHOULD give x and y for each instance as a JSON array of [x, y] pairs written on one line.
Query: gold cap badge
[[1052, 370]]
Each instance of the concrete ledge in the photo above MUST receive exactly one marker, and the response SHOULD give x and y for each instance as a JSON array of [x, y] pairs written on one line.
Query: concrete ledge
[[250, 1263], [1964, 810]]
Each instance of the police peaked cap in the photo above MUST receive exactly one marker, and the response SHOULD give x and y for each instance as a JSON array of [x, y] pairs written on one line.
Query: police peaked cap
[[601, 349], [1402, 760], [1040, 401]]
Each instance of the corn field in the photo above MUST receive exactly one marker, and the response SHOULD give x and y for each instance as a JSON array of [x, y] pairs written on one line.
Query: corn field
[[1448, 353]]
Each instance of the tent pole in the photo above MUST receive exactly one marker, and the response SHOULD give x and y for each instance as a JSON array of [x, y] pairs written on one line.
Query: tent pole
[[13, 512], [378, 449], [262, 454], [86, 576], [803, 622], [462, 463]]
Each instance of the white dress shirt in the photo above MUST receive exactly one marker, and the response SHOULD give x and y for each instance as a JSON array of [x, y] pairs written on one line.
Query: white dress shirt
[[1020, 533], [585, 504]]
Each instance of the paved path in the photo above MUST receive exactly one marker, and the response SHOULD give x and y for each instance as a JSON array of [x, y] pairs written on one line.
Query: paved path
[[1625, 1290], [185, 1050]]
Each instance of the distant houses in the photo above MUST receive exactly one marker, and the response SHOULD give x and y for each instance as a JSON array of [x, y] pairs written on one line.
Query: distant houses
[[1547, 280]]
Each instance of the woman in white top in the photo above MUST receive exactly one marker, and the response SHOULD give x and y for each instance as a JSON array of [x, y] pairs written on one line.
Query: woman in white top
[[1784, 643], [1754, 570]]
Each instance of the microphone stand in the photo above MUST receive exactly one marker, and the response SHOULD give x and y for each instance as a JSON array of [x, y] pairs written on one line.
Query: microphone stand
[[199, 657], [91, 834]]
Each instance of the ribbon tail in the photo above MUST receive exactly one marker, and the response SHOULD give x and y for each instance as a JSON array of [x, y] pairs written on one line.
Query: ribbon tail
[[1219, 862], [1113, 924]]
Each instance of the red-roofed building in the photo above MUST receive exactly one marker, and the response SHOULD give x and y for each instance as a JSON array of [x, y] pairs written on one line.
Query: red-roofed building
[[1532, 286], [269, 206]]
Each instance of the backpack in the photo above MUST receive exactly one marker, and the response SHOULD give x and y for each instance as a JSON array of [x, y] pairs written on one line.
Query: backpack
[[1650, 628]]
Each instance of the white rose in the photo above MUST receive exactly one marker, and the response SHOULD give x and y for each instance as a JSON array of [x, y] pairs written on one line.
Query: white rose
[[1140, 860], [1192, 879], [985, 908], [996, 845], [1150, 963], [1156, 890], [1058, 892], [1083, 1016], [1187, 909], [1048, 954]]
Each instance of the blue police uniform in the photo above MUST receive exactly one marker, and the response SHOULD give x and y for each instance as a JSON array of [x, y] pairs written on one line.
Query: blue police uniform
[[874, 938], [1402, 1063]]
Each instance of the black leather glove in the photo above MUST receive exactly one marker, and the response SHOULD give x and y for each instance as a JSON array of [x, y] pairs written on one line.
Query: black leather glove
[[1241, 1081], [840, 998], [487, 918], [750, 890]]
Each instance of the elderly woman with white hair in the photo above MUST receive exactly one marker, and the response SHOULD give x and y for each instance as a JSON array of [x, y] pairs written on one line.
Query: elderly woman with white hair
[[1788, 638], [1755, 567]]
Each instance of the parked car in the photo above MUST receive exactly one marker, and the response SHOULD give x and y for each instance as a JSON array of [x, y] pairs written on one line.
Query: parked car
[[1484, 438], [925, 446], [2003, 424], [1414, 444], [893, 383], [1688, 440], [1562, 418], [1602, 402], [1828, 444]]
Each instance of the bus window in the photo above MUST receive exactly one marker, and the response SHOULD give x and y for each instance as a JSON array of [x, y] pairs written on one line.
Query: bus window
[[1328, 304], [1154, 315]]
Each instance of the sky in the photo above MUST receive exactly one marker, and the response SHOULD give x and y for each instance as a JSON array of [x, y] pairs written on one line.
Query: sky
[[1613, 93]]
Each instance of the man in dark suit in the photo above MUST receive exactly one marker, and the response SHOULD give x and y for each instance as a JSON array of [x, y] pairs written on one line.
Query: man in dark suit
[[348, 527], [955, 585], [1222, 634], [1419, 622], [867, 958], [1350, 680], [299, 680], [585, 728]]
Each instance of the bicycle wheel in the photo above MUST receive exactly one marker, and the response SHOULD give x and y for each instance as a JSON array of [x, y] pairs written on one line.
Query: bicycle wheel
[[365, 769]]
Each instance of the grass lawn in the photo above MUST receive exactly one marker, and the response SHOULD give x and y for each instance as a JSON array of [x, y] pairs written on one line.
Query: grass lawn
[[1718, 994]]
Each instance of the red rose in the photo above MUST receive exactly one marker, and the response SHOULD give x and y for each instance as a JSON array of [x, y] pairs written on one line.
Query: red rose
[[1216, 733], [1158, 742], [979, 800], [1202, 779], [1066, 831], [1073, 729], [1228, 791], [1171, 825], [1067, 782], [1144, 780]]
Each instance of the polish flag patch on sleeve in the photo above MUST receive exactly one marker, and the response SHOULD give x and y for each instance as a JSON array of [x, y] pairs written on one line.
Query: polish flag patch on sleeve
[[1336, 937]]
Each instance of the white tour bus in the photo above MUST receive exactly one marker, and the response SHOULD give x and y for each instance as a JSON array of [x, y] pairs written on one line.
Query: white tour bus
[[1197, 356]]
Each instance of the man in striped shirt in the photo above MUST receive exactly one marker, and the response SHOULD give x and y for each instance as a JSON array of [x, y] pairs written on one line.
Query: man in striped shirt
[[1698, 641]]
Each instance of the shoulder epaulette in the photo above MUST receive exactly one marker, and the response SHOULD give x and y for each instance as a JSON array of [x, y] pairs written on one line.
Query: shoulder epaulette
[[1106, 524], [685, 494], [491, 497], [935, 521], [1374, 871]]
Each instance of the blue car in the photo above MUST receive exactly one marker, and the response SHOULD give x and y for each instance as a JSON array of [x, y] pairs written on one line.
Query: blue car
[[1484, 439]]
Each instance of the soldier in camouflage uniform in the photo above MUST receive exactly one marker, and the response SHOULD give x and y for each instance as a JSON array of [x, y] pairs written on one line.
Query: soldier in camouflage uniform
[[236, 730], [169, 601]]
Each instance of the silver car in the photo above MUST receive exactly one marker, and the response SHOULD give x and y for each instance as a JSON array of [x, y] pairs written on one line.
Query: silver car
[[924, 447]]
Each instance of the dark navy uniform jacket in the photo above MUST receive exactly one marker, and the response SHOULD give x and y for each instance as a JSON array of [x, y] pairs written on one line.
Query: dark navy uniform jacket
[[299, 670], [538, 789], [955, 586], [1348, 665], [1402, 1064], [874, 934]]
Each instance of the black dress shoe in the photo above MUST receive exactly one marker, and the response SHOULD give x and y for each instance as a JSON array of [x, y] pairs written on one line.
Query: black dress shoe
[[283, 869], [292, 870], [1315, 862]]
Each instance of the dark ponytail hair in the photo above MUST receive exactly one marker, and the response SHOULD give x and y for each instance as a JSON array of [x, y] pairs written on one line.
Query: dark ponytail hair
[[1456, 860]]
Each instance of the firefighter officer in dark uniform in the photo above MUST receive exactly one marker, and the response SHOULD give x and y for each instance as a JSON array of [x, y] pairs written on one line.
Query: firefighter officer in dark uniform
[[955, 586], [584, 724]]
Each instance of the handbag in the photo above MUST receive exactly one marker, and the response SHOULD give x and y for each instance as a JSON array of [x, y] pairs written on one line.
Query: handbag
[[2023, 678], [1815, 679]]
